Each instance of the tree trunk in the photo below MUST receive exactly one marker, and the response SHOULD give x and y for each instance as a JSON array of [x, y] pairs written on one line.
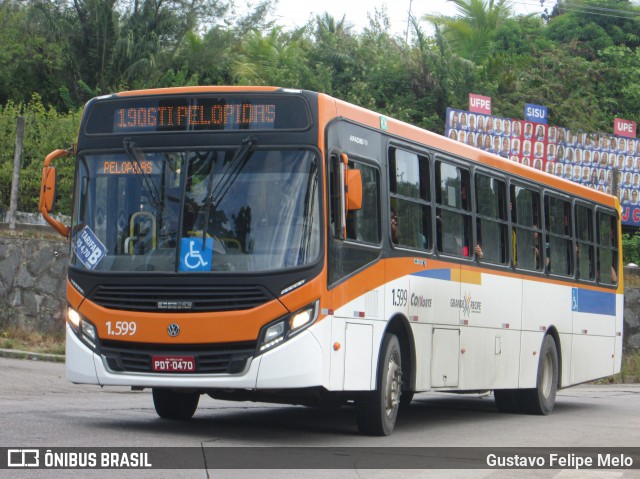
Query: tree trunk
[[15, 184]]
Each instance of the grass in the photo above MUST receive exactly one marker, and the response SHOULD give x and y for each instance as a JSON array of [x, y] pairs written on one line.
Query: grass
[[18, 339], [39, 232], [630, 368], [631, 280]]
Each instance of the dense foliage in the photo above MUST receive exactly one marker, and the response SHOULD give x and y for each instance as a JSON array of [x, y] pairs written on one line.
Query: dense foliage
[[581, 59]]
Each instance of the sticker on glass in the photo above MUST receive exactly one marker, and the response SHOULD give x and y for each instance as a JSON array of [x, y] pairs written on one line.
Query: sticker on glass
[[88, 248]]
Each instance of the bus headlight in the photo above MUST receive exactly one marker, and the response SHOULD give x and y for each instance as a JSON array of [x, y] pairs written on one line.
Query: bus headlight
[[303, 318], [275, 333], [89, 332], [74, 318], [83, 328]]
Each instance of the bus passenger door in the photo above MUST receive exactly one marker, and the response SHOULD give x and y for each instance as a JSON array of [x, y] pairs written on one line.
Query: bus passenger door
[[354, 239]]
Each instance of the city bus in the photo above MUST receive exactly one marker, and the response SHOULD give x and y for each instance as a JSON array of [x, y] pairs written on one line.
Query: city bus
[[278, 245]]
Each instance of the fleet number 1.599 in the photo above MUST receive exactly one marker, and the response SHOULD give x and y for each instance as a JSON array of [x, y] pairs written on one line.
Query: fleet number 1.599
[[121, 328]]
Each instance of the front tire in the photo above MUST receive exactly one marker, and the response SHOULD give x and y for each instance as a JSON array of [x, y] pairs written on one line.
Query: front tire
[[377, 410], [176, 405]]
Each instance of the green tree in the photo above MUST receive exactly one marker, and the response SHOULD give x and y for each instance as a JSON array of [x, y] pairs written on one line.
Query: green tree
[[272, 58], [93, 31], [331, 54], [620, 85], [32, 57], [588, 26], [45, 130], [472, 31]]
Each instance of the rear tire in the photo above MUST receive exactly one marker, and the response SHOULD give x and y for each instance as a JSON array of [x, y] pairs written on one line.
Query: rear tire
[[377, 410], [542, 399], [176, 405]]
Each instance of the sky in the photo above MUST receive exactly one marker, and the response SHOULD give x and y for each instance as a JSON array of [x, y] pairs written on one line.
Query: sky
[[295, 13]]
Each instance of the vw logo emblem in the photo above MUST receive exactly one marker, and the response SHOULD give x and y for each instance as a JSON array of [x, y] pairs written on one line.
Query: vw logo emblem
[[173, 330]]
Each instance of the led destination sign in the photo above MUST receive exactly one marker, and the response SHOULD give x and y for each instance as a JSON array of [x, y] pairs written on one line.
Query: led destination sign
[[197, 113], [246, 115]]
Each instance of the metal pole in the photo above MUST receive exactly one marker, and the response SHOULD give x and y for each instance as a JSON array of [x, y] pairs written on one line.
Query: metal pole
[[614, 182], [15, 183]]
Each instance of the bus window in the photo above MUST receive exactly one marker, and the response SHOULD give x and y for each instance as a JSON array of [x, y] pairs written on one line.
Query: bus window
[[607, 250], [527, 241], [491, 209], [585, 249], [558, 226], [362, 226], [453, 218], [409, 188]]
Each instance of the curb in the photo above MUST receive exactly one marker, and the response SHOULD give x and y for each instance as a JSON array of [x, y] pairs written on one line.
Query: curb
[[17, 354]]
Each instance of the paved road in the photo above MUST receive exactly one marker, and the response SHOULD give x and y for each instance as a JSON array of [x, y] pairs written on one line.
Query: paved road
[[39, 408]]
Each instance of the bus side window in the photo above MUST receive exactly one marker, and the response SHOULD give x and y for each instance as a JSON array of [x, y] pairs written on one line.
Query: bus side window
[[559, 236], [585, 248], [362, 225], [453, 216], [410, 199], [491, 210], [527, 239], [607, 262]]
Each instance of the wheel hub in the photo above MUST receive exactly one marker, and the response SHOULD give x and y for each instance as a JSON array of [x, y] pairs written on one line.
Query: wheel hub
[[394, 385]]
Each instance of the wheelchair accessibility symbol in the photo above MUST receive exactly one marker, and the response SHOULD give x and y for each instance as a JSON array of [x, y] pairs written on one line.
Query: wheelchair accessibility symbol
[[192, 255]]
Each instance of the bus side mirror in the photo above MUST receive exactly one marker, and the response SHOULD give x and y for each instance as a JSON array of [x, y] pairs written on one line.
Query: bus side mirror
[[354, 190], [48, 191]]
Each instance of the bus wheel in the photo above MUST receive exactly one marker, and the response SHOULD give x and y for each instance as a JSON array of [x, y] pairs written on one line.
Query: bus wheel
[[542, 399], [172, 404], [377, 410]]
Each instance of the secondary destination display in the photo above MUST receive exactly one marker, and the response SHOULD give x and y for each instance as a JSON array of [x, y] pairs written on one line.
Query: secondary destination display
[[197, 113]]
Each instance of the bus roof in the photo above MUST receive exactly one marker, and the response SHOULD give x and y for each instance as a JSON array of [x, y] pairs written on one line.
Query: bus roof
[[199, 89]]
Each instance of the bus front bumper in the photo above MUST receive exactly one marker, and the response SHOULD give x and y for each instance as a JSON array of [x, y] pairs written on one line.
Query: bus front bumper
[[295, 364]]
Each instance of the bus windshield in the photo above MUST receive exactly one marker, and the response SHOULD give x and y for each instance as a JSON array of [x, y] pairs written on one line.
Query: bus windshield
[[192, 211]]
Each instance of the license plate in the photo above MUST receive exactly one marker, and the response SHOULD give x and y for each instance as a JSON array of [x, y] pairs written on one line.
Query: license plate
[[173, 364]]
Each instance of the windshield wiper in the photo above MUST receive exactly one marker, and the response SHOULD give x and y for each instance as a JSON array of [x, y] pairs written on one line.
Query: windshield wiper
[[231, 172], [130, 148]]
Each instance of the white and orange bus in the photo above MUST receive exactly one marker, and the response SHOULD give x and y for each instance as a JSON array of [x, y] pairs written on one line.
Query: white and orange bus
[[281, 245]]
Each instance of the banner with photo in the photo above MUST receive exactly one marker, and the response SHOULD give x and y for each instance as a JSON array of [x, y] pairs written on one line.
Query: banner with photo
[[585, 158]]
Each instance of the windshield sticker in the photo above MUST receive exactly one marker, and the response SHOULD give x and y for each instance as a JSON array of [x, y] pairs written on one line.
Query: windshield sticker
[[88, 248], [193, 257]]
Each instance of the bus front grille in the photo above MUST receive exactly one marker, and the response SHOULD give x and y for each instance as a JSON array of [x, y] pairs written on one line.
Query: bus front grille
[[179, 299], [209, 359]]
